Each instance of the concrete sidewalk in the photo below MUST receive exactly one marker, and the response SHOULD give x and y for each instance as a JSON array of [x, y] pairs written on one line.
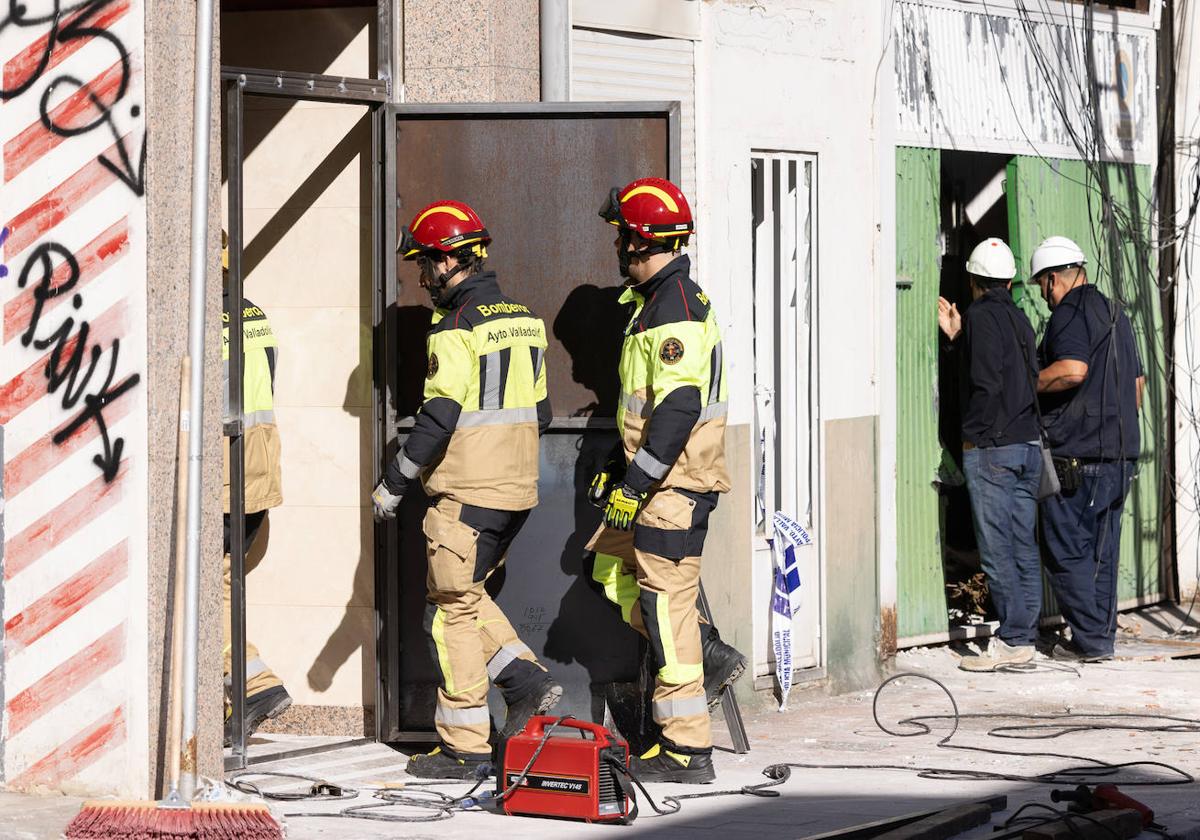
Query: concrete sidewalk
[[820, 730]]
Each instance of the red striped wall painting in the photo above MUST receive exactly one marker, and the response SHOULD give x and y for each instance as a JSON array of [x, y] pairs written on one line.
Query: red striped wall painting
[[73, 499]]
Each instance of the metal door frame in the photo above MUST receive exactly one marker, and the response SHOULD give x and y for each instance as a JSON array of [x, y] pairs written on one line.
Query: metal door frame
[[236, 84], [391, 426], [387, 596]]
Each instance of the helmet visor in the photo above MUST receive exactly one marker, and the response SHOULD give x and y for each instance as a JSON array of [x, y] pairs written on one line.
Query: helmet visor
[[611, 211], [409, 247]]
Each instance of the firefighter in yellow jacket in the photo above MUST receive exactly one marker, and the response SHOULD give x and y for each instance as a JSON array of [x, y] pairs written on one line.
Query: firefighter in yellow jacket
[[671, 417], [265, 695], [475, 447]]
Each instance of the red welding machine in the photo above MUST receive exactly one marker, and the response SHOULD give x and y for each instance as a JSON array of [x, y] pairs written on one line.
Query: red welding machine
[[573, 776]]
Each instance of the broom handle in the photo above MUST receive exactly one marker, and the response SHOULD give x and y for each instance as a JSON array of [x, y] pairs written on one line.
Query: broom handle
[[175, 730]]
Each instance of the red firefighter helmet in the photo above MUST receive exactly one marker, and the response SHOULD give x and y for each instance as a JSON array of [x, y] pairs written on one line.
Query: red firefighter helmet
[[444, 226], [653, 208]]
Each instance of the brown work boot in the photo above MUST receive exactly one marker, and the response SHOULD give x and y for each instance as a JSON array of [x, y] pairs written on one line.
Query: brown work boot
[[998, 655]]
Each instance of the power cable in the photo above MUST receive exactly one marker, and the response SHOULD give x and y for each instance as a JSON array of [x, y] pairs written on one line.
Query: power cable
[[1045, 726], [1090, 771]]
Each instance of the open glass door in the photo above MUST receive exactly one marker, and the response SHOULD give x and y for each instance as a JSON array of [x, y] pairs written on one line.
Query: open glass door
[[325, 395], [537, 174]]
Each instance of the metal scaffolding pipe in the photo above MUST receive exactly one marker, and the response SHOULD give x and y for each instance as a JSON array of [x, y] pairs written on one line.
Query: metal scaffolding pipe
[[201, 172], [555, 25]]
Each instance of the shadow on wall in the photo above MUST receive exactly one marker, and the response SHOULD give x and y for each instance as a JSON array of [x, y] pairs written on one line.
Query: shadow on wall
[[347, 638], [268, 40], [589, 325]]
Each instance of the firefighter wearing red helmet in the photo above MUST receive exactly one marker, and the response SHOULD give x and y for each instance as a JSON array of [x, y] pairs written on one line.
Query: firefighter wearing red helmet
[[475, 448], [663, 482]]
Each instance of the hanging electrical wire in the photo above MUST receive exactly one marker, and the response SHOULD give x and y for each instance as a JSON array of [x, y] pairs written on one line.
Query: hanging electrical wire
[[1121, 230]]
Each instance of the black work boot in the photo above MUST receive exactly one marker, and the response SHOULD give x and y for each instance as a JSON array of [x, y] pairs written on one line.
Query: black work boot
[[723, 664], [442, 764], [261, 707], [541, 696], [659, 764]]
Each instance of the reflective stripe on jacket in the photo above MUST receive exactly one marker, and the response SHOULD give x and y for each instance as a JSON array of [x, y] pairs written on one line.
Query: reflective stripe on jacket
[[674, 393], [476, 437], [264, 486]]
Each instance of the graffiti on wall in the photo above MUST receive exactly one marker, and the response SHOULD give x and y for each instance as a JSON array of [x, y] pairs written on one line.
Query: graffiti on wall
[[72, 156], [69, 107]]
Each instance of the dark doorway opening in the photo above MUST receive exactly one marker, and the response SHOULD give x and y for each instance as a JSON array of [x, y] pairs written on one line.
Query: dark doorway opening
[[974, 207]]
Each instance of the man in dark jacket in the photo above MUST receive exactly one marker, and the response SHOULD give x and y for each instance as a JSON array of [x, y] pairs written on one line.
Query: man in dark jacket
[[1091, 389], [1001, 453]]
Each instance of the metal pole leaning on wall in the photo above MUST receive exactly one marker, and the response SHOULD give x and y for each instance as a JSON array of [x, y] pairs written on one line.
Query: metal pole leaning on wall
[[201, 126], [555, 25]]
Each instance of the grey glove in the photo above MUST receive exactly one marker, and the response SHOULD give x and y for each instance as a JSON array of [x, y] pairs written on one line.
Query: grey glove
[[385, 502]]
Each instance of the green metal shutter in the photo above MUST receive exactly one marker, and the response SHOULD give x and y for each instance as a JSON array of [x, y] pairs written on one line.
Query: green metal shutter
[[921, 601], [1061, 197]]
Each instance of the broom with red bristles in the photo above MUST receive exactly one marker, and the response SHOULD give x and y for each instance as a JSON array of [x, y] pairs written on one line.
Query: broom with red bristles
[[177, 817]]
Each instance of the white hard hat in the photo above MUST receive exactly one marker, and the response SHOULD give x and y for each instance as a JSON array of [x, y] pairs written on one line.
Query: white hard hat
[[1055, 252], [992, 258]]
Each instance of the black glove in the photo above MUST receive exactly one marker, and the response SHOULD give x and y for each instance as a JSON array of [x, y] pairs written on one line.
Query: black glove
[[609, 476]]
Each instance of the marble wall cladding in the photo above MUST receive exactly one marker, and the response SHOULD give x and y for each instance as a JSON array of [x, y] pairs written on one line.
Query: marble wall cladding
[[324, 720], [307, 228], [328, 359], [169, 55], [448, 84], [323, 171], [516, 34], [514, 84], [295, 531], [471, 51], [293, 242], [441, 34]]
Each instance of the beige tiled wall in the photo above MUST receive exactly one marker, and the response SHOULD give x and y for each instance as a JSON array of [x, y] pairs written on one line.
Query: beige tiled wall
[[307, 245]]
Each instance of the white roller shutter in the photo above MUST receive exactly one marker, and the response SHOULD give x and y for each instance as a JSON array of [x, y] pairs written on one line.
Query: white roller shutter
[[615, 66]]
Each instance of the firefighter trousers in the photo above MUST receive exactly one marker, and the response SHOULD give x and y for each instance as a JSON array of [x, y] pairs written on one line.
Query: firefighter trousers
[[473, 642], [258, 676], [653, 576]]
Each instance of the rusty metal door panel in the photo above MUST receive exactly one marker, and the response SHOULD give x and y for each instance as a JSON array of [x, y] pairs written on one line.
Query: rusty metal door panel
[[537, 174], [537, 183]]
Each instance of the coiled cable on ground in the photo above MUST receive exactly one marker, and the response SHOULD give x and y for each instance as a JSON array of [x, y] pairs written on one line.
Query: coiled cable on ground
[[1083, 770]]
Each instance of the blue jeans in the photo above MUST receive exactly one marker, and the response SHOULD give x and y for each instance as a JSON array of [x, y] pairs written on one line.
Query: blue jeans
[[1083, 539], [1003, 483]]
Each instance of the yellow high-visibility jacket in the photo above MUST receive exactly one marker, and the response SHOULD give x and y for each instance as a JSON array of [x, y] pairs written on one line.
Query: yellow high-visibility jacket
[[476, 436], [264, 485], [673, 401]]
